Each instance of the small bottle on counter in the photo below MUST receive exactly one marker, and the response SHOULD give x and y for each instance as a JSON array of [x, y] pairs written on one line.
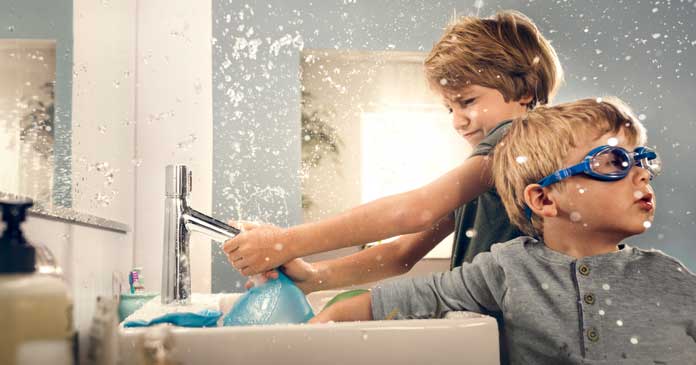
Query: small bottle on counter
[[35, 309]]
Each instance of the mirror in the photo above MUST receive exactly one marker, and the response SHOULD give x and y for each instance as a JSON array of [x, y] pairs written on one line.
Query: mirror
[[359, 108], [27, 117]]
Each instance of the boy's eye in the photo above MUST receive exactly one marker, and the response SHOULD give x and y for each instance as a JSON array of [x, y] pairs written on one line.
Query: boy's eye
[[466, 102]]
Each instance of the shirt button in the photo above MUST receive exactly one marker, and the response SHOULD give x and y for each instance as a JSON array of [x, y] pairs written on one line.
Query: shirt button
[[584, 270], [592, 334], [589, 298]]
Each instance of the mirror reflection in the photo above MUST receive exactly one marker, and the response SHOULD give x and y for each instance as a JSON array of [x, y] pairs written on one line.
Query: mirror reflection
[[27, 115]]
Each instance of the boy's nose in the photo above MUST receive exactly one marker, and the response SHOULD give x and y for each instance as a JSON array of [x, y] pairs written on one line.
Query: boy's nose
[[640, 175]]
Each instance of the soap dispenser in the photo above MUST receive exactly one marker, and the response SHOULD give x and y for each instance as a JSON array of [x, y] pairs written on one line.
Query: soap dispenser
[[35, 309]]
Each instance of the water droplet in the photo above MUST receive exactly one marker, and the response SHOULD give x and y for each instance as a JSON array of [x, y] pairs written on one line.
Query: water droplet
[[575, 216], [654, 10], [278, 246], [601, 312], [619, 323], [641, 117], [11, 28], [606, 287], [581, 191], [443, 82], [608, 301], [544, 286], [599, 100], [471, 233], [613, 141], [267, 259], [521, 159], [647, 224], [656, 35], [634, 340]]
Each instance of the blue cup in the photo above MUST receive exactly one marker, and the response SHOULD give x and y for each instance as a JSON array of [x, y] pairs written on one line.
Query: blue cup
[[274, 302], [129, 303]]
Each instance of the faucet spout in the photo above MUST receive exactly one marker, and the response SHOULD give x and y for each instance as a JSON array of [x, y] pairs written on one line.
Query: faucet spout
[[179, 221]]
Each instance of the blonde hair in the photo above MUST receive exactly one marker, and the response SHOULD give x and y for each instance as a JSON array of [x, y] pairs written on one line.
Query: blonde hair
[[537, 144], [505, 52]]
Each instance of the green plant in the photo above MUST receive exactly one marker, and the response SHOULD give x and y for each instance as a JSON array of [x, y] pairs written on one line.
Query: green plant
[[319, 138], [37, 126]]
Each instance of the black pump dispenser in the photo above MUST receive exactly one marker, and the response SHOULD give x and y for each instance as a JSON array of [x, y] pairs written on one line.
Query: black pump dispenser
[[16, 254]]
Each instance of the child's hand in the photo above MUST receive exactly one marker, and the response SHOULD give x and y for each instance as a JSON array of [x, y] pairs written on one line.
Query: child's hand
[[258, 249], [303, 273]]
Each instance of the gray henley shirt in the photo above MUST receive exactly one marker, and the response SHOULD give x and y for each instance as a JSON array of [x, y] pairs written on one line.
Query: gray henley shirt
[[632, 306]]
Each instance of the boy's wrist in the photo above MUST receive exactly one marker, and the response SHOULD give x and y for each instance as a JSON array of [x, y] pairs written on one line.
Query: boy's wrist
[[290, 243]]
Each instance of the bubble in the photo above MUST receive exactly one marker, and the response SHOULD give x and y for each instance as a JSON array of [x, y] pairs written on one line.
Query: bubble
[[575, 216], [606, 287], [599, 100], [601, 312], [613, 141], [634, 340], [544, 286], [647, 224], [656, 35], [637, 194], [443, 81], [278, 246], [470, 233], [641, 117], [619, 323], [521, 159]]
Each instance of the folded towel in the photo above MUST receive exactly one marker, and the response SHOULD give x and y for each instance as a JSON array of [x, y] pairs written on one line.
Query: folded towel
[[204, 318]]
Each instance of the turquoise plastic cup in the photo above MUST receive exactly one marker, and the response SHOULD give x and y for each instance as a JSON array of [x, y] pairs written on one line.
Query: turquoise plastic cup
[[274, 302], [129, 303]]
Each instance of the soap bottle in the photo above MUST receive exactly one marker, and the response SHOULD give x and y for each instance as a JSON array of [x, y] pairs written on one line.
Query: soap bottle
[[35, 309]]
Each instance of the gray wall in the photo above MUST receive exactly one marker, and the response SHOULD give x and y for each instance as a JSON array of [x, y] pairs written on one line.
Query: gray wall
[[28, 19], [606, 48]]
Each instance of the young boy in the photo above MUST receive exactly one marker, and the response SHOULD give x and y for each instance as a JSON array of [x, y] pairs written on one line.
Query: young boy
[[488, 71], [576, 295]]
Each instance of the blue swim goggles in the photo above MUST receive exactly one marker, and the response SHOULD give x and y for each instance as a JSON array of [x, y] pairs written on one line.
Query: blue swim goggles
[[607, 163]]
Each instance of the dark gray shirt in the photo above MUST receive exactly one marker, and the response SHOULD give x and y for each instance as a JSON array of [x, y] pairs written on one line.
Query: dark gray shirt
[[484, 218], [632, 306]]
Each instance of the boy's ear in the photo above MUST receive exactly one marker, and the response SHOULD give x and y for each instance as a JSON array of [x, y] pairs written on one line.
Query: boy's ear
[[539, 201], [525, 100]]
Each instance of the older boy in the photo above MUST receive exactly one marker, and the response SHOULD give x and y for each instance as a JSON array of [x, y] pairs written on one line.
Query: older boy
[[488, 71], [576, 295]]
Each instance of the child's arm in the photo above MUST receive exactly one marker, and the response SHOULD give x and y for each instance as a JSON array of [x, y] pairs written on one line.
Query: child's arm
[[357, 308], [267, 247], [369, 265]]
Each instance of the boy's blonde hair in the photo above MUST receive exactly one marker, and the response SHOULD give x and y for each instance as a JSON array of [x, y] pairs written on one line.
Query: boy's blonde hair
[[537, 144], [505, 52]]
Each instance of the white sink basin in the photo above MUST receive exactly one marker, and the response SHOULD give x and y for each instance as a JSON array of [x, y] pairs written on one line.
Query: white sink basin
[[461, 338]]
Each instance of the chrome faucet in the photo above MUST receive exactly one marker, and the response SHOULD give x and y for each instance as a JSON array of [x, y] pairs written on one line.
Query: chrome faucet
[[179, 221]]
